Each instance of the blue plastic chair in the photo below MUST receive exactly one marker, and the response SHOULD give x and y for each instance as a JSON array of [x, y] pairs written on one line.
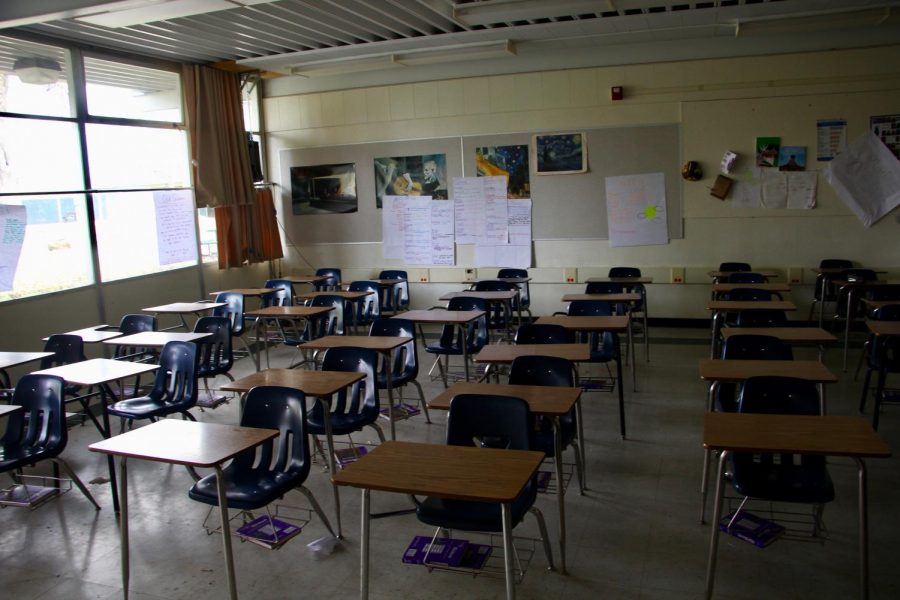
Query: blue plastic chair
[[234, 312], [67, 349], [38, 432], [761, 317], [504, 422], [283, 297], [749, 295], [499, 313], [355, 407], [332, 283], [129, 325], [364, 312], [734, 266], [405, 365], [450, 342], [599, 287], [638, 308], [603, 345], [544, 333], [262, 475], [214, 355], [746, 277], [747, 347], [396, 298], [523, 303], [881, 355], [550, 371], [824, 290]]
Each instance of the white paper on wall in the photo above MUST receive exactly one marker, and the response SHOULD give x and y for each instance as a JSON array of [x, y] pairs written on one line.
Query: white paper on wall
[[13, 219], [866, 177], [176, 232], [636, 209]]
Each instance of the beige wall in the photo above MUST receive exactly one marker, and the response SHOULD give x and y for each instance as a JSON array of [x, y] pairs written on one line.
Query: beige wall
[[721, 105]]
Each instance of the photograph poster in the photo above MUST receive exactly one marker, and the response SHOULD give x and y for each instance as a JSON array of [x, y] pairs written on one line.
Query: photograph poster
[[792, 158], [424, 175], [323, 189], [506, 161], [767, 151], [560, 154]]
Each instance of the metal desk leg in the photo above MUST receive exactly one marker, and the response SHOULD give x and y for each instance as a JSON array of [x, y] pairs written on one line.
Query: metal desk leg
[[226, 534], [123, 527], [364, 548], [560, 492], [508, 552], [465, 349], [389, 357], [704, 478], [618, 347], [633, 356], [863, 531], [329, 445], [106, 391], [646, 328], [847, 320], [716, 326], [581, 442], [714, 527]]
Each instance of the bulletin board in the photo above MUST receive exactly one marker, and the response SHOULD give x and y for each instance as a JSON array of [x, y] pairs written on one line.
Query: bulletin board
[[564, 206]]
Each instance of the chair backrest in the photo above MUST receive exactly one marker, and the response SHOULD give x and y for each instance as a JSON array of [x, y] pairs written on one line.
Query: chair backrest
[[405, 365], [284, 409], [544, 333], [748, 295], [600, 287], [875, 346], [330, 324], [176, 379], [542, 370], [476, 331], [137, 323], [884, 293], [747, 346], [524, 289], [359, 403], [332, 283], [624, 272], [746, 277], [283, 297], [41, 424], [859, 275], [835, 263], [734, 266], [779, 395], [214, 353], [67, 349], [399, 294], [494, 285], [368, 308], [233, 310], [483, 419], [761, 317], [601, 343]]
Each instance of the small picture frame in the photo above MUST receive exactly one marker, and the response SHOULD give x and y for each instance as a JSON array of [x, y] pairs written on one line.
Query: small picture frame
[[560, 154]]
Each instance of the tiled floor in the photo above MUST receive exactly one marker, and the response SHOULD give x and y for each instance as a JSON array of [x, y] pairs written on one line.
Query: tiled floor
[[633, 535]]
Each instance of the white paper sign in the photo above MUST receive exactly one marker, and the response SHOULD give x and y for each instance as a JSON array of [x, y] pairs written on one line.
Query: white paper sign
[[176, 233], [13, 219], [866, 177], [468, 201], [391, 227], [443, 248], [636, 209]]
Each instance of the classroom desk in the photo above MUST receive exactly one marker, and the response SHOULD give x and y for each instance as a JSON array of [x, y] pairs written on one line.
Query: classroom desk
[[629, 298], [826, 277], [395, 286], [625, 280], [720, 307], [293, 313], [791, 335], [440, 316], [516, 280], [718, 288], [6, 409], [14, 359], [100, 372], [615, 325], [156, 339], [717, 275], [183, 308], [882, 329], [851, 437], [852, 287], [189, 443], [457, 472], [383, 344], [321, 385], [310, 279], [548, 401], [95, 334], [251, 292], [352, 297], [504, 300]]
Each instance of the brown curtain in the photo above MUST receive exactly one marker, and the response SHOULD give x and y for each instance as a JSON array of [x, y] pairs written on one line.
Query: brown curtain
[[245, 219]]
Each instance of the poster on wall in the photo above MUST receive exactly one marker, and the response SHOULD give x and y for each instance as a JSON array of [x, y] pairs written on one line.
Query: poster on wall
[[636, 209], [831, 138], [13, 219], [424, 175], [560, 154], [324, 189], [176, 233], [887, 129], [767, 151], [506, 161]]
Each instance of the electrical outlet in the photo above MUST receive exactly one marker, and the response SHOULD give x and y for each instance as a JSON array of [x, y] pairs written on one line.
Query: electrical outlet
[[676, 275], [795, 275], [470, 272], [423, 279], [570, 274]]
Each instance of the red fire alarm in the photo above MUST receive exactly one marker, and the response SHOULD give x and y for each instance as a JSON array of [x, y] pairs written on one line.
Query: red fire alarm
[[615, 92]]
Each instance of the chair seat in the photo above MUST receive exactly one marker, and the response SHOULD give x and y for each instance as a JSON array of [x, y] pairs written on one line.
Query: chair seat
[[341, 424], [246, 490], [471, 516], [140, 408], [442, 349], [396, 380], [542, 439], [783, 483], [20, 456]]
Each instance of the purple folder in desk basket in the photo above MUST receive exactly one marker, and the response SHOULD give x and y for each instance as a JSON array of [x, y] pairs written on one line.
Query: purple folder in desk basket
[[445, 551]]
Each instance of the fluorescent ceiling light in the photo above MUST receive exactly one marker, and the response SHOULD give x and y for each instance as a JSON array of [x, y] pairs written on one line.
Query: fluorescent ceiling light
[[504, 11], [152, 11]]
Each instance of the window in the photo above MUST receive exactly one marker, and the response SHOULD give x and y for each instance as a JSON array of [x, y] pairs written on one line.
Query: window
[[137, 177]]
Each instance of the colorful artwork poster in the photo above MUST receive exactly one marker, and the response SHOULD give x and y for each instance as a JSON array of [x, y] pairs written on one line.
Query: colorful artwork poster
[[792, 158], [560, 154], [506, 161], [424, 175], [324, 189], [887, 129], [767, 151]]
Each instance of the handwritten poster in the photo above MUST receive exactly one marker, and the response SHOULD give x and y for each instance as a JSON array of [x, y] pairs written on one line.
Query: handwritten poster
[[866, 178], [443, 250], [831, 138], [516, 253], [13, 220], [636, 208], [418, 230], [176, 232]]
